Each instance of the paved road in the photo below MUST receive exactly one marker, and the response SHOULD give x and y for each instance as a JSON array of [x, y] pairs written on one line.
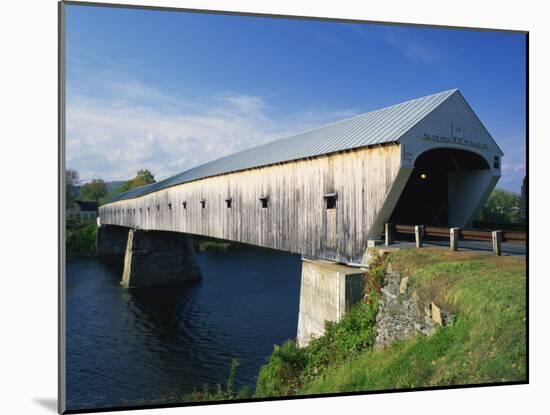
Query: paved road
[[507, 248]]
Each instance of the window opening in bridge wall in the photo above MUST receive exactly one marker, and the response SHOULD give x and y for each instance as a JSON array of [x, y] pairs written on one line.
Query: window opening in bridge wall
[[330, 200], [148, 208], [264, 201], [228, 202], [140, 210], [184, 204], [203, 203], [496, 162], [158, 207], [169, 206]]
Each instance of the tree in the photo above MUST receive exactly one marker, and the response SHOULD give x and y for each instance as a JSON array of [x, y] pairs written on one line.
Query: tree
[[142, 178], [72, 179], [501, 207], [93, 191]]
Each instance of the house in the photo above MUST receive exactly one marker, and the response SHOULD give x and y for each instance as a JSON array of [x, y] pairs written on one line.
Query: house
[[81, 211]]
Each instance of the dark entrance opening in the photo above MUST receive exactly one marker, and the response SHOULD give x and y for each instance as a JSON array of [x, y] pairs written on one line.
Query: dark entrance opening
[[425, 199]]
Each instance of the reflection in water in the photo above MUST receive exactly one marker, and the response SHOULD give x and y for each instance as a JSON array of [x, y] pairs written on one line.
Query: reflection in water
[[155, 345]]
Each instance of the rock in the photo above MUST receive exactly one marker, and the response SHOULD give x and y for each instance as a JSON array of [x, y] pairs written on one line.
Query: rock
[[403, 285], [402, 314], [389, 294], [428, 311], [436, 314], [448, 318]]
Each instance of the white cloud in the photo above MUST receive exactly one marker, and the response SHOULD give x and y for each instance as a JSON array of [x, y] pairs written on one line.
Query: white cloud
[[144, 127], [402, 39], [418, 51]]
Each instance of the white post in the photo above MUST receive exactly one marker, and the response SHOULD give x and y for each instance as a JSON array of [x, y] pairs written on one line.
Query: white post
[[454, 234], [497, 242]]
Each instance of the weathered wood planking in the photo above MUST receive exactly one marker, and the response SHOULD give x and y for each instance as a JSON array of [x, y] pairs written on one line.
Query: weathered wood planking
[[296, 219]]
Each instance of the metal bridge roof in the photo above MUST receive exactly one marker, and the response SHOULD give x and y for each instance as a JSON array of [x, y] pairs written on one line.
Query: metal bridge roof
[[376, 127]]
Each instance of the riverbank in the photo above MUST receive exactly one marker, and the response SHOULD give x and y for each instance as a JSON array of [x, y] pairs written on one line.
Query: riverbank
[[486, 342], [81, 241], [80, 238]]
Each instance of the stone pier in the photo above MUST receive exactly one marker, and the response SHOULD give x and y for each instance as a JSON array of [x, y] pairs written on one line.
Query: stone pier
[[158, 258], [327, 291], [111, 241]]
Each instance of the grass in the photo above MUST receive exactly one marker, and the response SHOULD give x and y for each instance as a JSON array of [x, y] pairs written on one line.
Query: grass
[[485, 344], [220, 393]]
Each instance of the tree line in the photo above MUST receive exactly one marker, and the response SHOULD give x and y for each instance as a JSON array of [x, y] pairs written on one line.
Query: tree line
[[502, 207], [97, 191]]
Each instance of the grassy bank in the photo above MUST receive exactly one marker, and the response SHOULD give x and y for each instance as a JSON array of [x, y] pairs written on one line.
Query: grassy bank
[[486, 342], [80, 238], [221, 392]]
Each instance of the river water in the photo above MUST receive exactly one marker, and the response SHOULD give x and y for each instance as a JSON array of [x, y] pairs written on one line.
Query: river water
[[155, 345]]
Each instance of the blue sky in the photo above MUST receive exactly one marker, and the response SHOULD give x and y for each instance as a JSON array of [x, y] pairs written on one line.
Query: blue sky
[[168, 91]]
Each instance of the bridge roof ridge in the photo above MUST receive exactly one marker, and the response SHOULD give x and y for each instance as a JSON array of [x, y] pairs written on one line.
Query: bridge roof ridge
[[380, 126]]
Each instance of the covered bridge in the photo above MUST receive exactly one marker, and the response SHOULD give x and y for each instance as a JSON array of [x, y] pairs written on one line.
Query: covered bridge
[[326, 192]]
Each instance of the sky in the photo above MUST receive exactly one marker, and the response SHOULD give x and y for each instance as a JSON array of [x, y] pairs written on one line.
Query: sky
[[168, 91]]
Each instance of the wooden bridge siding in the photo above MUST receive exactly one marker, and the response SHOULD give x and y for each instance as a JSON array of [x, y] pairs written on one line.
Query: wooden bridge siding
[[296, 219]]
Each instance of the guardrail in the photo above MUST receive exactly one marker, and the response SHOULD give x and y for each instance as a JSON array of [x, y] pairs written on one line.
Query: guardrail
[[455, 235]]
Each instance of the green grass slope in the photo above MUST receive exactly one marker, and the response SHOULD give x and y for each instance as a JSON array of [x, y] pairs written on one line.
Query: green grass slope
[[486, 342]]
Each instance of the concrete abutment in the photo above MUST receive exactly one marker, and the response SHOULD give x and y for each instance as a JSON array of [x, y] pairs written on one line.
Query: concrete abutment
[[328, 290]]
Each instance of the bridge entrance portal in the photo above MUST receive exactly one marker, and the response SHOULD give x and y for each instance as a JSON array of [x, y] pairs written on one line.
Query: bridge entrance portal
[[443, 189]]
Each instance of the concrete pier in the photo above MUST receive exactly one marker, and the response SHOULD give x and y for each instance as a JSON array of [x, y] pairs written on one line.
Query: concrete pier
[[158, 258], [327, 291]]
